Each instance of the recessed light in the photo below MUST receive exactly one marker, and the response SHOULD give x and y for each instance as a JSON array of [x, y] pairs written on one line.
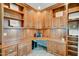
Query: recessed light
[[39, 7], [5, 34]]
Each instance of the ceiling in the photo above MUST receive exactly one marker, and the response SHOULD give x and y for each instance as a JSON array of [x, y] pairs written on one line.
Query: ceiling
[[40, 6]]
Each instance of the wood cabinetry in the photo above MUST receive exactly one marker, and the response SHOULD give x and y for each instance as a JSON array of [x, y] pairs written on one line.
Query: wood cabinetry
[[57, 48], [58, 31], [59, 18], [49, 46], [39, 20], [47, 18], [13, 29], [10, 51], [61, 49], [30, 18], [59, 22], [72, 45], [21, 49], [73, 29], [10, 35]]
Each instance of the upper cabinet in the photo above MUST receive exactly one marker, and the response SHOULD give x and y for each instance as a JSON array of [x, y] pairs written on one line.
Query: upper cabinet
[[39, 19], [59, 20], [47, 19], [30, 19], [38, 22]]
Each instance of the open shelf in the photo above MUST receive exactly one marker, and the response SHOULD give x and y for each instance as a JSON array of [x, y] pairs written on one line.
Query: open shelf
[[13, 10], [11, 18], [73, 28], [73, 23], [73, 42], [72, 46], [72, 51], [14, 28], [73, 7], [9, 8], [76, 19]]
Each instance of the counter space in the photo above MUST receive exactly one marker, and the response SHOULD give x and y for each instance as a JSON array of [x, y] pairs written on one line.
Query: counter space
[[42, 38], [59, 41]]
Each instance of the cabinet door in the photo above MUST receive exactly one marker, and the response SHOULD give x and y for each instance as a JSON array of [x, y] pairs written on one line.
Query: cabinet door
[[55, 22], [30, 18], [47, 17], [22, 49], [40, 21], [29, 48], [61, 49], [62, 22], [10, 37], [59, 22], [36, 22], [54, 48], [49, 46]]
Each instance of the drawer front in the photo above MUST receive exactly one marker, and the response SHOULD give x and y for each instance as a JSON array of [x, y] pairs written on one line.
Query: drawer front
[[9, 50], [12, 54]]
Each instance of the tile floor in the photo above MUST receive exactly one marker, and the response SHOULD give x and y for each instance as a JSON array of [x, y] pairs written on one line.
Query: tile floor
[[39, 51]]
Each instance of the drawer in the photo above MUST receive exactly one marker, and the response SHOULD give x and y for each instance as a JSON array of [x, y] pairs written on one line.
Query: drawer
[[9, 50], [12, 54]]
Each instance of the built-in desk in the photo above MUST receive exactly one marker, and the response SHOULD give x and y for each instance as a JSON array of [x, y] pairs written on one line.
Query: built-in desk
[[41, 38]]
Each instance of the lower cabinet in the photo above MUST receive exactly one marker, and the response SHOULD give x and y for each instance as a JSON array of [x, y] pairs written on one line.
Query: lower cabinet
[[13, 54], [49, 46], [57, 48], [54, 48], [24, 49], [10, 51], [29, 49], [61, 49]]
